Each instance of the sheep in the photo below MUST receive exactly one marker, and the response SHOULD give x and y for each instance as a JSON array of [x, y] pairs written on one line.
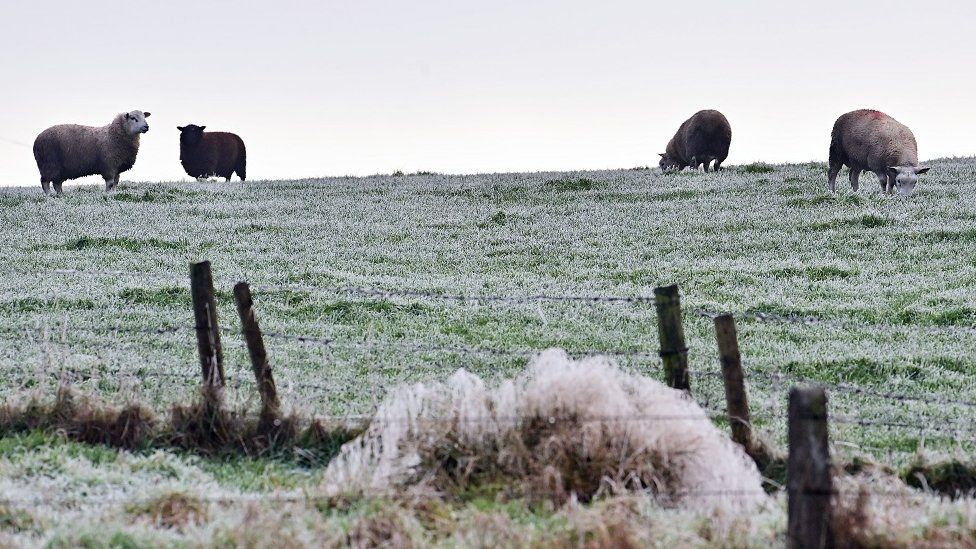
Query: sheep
[[70, 151], [204, 154], [870, 140], [704, 137]]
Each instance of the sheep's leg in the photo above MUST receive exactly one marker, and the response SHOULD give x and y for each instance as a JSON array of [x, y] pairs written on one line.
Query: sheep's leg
[[111, 180], [57, 187], [708, 160], [855, 174], [883, 179], [832, 176], [46, 186], [202, 179], [693, 164]]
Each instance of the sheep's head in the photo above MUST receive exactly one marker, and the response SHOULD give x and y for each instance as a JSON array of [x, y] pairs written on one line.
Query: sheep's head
[[906, 177], [135, 122], [668, 163], [191, 134]]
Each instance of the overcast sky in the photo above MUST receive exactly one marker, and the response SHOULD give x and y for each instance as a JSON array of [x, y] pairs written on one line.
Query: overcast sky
[[321, 88]]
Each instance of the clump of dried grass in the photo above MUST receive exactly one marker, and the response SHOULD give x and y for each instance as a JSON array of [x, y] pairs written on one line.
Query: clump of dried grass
[[172, 510], [203, 426], [79, 417], [874, 508], [565, 428], [380, 529]]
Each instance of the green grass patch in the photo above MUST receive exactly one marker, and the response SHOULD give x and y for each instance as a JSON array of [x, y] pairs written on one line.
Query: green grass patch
[[864, 221], [675, 195], [153, 194], [264, 474], [170, 296], [577, 184], [37, 305], [950, 316], [826, 272], [757, 167], [496, 219], [942, 235], [130, 244], [805, 201]]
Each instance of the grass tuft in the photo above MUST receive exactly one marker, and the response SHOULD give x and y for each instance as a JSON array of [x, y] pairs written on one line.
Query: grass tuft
[[572, 184], [952, 478], [757, 167], [173, 510]]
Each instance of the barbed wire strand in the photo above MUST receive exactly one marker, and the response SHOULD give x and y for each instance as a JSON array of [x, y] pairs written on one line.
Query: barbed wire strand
[[420, 493]]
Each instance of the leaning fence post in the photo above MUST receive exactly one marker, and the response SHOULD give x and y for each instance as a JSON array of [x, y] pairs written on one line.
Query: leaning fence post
[[735, 390], [208, 331], [255, 347], [808, 482], [673, 352]]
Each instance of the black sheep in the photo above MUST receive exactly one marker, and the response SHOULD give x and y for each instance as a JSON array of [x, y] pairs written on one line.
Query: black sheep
[[205, 154], [700, 139]]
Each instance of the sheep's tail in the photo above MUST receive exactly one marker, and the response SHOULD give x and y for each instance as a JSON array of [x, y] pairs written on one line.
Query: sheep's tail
[[241, 168]]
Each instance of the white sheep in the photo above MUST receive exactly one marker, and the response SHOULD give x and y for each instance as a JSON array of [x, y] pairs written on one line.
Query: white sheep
[[870, 140], [70, 151]]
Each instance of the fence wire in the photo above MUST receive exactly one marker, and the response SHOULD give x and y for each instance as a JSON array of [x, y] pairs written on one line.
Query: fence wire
[[397, 347], [421, 493], [40, 335]]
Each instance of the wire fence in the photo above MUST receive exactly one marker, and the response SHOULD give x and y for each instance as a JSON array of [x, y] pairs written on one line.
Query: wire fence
[[388, 294], [421, 493], [775, 382], [191, 376]]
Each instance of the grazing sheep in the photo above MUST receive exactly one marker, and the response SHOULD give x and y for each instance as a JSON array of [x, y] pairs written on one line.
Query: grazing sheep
[[869, 140], [700, 139], [70, 151], [204, 154]]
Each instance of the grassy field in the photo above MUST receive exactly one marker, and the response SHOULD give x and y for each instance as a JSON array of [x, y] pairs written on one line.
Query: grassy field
[[858, 289]]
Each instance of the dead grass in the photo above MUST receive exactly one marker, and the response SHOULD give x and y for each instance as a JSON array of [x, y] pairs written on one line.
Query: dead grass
[[874, 508], [564, 430], [953, 477], [173, 510], [79, 417], [203, 426]]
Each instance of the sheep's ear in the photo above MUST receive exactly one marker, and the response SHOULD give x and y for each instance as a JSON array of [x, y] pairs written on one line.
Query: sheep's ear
[[662, 155], [920, 171], [179, 128], [128, 116], [202, 128], [145, 115]]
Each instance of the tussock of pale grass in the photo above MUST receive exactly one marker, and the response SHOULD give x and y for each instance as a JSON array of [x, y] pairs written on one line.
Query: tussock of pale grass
[[563, 429], [874, 508], [171, 510]]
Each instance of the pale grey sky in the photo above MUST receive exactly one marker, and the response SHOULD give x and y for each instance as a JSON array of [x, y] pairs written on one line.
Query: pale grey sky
[[331, 88]]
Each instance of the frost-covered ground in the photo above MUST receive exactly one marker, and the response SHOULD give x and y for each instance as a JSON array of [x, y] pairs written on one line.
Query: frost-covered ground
[[890, 282]]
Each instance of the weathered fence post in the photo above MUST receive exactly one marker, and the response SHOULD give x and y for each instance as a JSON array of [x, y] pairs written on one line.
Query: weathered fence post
[[808, 482], [735, 390], [673, 352], [208, 331], [255, 347]]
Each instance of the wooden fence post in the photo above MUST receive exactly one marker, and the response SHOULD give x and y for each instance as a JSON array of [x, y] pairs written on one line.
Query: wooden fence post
[[674, 352], [255, 347], [808, 482], [735, 390], [208, 331]]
